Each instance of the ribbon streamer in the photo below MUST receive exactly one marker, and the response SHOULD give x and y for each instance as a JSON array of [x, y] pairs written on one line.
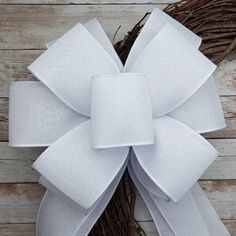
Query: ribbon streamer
[[97, 117]]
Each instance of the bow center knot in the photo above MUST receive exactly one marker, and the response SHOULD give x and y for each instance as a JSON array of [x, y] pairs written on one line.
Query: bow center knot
[[121, 111]]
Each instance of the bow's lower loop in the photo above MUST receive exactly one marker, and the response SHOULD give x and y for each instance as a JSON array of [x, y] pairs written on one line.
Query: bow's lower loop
[[77, 170], [58, 216], [121, 112], [178, 158]]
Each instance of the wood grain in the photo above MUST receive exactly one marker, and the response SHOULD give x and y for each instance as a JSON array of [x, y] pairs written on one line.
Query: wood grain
[[228, 102], [15, 163], [149, 227], [221, 193], [31, 26], [13, 67], [17, 229], [85, 2]]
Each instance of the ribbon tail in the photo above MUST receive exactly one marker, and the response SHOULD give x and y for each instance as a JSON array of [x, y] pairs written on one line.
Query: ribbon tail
[[192, 215], [183, 218], [161, 224], [208, 213], [93, 215]]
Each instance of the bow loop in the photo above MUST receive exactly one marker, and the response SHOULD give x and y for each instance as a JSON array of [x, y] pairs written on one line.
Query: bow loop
[[175, 70], [72, 165], [178, 158], [67, 66]]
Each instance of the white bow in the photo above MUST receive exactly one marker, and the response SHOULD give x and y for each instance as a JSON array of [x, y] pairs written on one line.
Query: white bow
[[158, 103]]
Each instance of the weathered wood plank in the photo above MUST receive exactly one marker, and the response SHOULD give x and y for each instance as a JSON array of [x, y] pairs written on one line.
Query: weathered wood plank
[[229, 107], [31, 26], [25, 194], [15, 163], [149, 227], [12, 171], [19, 202], [224, 167], [13, 67], [17, 229], [228, 102], [225, 76], [85, 2], [13, 153]]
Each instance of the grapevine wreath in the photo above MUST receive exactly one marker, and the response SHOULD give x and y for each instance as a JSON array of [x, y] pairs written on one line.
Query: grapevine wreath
[[215, 22]]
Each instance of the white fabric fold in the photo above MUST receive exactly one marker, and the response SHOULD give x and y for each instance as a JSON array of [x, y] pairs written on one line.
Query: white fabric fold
[[185, 213], [71, 164], [95, 29], [161, 224], [179, 155], [156, 21], [67, 66], [202, 112], [145, 179], [121, 112], [37, 117], [208, 213], [68, 219], [188, 70], [175, 215]]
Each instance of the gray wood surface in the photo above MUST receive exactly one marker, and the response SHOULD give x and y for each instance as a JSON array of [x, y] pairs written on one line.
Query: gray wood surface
[[25, 27]]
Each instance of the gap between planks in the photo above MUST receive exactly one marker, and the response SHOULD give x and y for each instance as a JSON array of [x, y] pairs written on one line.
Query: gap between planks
[[83, 2], [229, 106], [16, 163], [20, 202], [149, 227]]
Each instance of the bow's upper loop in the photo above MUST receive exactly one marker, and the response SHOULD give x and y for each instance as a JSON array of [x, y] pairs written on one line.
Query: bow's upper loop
[[175, 70], [67, 66], [156, 21]]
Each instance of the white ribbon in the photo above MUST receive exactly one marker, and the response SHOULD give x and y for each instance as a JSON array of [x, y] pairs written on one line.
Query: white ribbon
[[158, 103]]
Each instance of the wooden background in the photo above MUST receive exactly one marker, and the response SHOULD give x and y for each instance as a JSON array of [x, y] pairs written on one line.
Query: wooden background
[[25, 27]]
